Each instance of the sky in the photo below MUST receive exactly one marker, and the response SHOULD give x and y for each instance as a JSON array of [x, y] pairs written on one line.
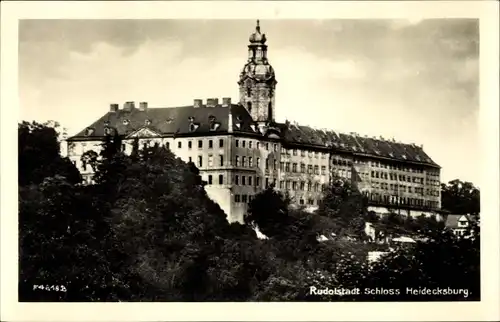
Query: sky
[[416, 81]]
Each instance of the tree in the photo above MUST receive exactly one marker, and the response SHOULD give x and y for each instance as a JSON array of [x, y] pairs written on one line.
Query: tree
[[39, 154], [460, 197], [346, 206]]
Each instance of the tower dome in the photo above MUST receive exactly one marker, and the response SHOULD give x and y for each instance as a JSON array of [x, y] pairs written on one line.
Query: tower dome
[[257, 37]]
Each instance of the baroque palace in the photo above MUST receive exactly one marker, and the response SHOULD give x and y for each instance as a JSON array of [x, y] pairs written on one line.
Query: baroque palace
[[240, 149]]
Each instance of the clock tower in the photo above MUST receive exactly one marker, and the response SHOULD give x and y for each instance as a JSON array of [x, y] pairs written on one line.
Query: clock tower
[[257, 82]]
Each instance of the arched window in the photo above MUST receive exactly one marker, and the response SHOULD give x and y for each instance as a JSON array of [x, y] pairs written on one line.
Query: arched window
[[270, 111], [249, 107]]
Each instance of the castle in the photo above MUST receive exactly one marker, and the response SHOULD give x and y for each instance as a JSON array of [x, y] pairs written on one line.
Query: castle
[[240, 149]]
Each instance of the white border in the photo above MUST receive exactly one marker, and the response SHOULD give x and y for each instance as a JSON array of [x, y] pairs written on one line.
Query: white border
[[487, 309]]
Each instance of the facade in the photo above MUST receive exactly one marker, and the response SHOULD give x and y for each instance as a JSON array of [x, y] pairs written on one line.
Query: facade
[[241, 149]]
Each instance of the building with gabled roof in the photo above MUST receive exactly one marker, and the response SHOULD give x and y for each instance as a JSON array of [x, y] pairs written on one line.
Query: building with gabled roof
[[240, 148]]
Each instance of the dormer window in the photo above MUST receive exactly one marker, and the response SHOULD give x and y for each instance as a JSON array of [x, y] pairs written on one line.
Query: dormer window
[[147, 122], [106, 123], [191, 119], [404, 156], [238, 122], [253, 127], [211, 118], [126, 122], [214, 126], [89, 131], [169, 120], [107, 131], [193, 127]]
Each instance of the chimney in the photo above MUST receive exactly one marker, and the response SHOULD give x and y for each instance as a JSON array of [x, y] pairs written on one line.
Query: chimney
[[226, 101], [128, 106], [113, 107], [210, 102], [143, 106], [197, 103]]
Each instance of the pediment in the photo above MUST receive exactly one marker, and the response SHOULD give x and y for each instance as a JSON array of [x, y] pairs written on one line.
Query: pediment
[[144, 133]]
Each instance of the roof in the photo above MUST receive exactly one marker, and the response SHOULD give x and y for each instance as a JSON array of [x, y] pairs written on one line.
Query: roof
[[357, 144], [452, 220], [176, 121], [170, 120]]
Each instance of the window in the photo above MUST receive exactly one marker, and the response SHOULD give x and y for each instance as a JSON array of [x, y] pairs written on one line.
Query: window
[[287, 166], [243, 161], [294, 185], [294, 151], [243, 143], [221, 179], [316, 187], [301, 201], [209, 179], [250, 162], [179, 144], [302, 168], [287, 187], [316, 169], [257, 182], [168, 145], [267, 146], [258, 162], [236, 198], [310, 202], [275, 165], [236, 180], [309, 186], [210, 160], [210, 144], [250, 180], [282, 166], [302, 185], [243, 180], [282, 184], [221, 143], [244, 198], [190, 159], [275, 147], [237, 143], [294, 167], [310, 169], [302, 153], [221, 160], [323, 169], [200, 161], [250, 143], [249, 198], [267, 182], [237, 161], [258, 145]]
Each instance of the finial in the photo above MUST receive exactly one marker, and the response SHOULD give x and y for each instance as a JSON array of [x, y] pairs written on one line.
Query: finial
[[258, 25]]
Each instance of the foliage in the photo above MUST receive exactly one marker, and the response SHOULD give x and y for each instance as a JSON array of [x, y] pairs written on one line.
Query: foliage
[[147, 231], [346, 206], [39, 154], [459, 197]]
